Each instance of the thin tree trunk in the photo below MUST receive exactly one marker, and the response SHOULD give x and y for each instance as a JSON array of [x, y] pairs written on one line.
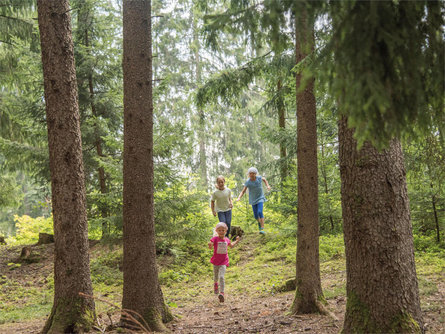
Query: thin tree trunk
[[202, 149], [325, 180], [71, 313], [282, 126], [382, 291], [308, 282], [141, 292], [436, 218], [201, 115]]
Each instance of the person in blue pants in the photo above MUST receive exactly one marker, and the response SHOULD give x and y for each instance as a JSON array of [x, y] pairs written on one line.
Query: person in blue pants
[[256, 195]]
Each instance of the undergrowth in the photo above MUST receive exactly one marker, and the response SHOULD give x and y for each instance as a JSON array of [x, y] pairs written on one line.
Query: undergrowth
[[259, 265]]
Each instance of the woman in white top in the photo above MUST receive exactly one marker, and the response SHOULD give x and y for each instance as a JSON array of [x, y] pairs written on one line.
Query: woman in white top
[[221, 202]]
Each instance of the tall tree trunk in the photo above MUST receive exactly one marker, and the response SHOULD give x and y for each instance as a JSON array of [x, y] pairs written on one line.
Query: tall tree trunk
[[382, 291], [141, 292], [282, 126], [71, 313], [308, 292]]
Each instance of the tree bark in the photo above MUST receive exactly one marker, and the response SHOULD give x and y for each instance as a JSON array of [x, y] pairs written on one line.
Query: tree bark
[[141, 292], [382, 291], [308, 292], [71, 313]]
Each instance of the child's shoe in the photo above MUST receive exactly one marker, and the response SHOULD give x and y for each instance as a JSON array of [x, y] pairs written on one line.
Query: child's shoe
[[215, 288], [262, 230], [221, 297]]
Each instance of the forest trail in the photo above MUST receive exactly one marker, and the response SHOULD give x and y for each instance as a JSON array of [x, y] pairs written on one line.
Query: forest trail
[[246, 311], [197, 309], [251, 314]]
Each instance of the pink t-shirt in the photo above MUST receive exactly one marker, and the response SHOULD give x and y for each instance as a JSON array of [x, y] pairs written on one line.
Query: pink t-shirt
[[220, 256]]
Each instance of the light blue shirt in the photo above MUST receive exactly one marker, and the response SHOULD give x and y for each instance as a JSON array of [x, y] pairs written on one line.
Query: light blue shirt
[[256, 194]]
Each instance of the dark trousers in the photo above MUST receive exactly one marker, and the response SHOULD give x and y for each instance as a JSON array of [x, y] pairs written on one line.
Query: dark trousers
[[226, 217]]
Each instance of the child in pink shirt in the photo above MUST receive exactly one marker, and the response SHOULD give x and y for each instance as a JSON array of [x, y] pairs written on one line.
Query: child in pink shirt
[[220, 258]]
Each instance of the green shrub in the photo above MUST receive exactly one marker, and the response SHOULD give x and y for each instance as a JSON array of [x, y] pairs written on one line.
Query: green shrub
[[427, 243], [28, 229]]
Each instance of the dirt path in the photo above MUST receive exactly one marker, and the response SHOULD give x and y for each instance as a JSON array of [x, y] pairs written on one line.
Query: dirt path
[[246, 314]]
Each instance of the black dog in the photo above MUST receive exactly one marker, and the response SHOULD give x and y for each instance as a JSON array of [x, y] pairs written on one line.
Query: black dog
[[236, 231]]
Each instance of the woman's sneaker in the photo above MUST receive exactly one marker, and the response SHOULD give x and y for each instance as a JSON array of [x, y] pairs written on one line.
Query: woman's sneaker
[[215, 288], [221, 297]]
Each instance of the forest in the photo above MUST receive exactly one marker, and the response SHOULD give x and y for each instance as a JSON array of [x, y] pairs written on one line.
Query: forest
[[122, 121]]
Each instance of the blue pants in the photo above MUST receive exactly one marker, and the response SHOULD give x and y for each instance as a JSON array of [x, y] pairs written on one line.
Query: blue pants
[[258, 210], [226, 217]]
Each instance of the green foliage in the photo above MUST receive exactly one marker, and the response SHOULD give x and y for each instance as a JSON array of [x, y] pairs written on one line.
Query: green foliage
[[96, 31], [330, 214], [228, 85], [377, 44], [173, 275], [261, 23], [23, 147], [190, 260], [425, 160], [430, 262], [10, 193], [28, 229], [16, 20], [235, 118], [427, 244], [181, 213], [331, 247]]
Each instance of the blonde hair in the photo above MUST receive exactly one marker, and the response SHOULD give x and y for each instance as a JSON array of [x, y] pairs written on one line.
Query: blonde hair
[[219, 177], [220, 224]]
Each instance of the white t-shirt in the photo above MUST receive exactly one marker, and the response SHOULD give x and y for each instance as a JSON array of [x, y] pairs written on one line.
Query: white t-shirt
[[221, 199]]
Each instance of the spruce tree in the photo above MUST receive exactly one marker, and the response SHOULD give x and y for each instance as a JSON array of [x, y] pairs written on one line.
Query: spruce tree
[[384, 79], [141, 292], [71, 313]]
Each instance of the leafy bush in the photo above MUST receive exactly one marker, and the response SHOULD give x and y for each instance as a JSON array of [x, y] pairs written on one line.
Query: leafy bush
[[28, 229], [181, 213]]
